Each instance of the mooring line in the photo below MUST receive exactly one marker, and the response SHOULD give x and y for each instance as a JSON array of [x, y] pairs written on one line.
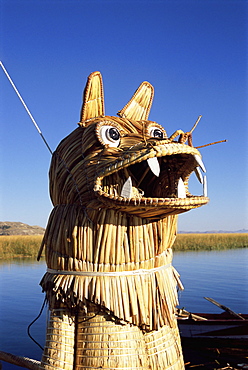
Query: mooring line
[[25, 106]]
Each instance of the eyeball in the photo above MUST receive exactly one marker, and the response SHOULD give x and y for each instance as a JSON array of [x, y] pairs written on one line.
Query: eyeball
[[157, 132], [109, 135]]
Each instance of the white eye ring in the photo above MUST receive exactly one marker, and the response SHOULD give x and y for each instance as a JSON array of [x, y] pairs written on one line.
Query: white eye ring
[[156, 132], [110, 135]]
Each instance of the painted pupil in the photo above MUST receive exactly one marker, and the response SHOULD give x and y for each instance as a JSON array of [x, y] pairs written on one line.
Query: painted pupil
[[158, 133], [113, 133]]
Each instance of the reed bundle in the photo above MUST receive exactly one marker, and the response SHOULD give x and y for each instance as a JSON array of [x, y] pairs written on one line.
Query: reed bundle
[[81, 256], [119, 265], [110, 282]]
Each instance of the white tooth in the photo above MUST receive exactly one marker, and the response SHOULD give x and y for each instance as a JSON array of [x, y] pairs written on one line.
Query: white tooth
[[205, 188], [198, 174], [126, 190], [200, 163], [181, 193], [154, 165]]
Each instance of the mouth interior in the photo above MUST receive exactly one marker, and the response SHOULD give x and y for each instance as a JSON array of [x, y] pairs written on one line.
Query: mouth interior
[[143, 183]]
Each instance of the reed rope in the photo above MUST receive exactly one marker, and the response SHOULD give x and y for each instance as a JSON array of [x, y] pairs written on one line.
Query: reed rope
[[108, 273]]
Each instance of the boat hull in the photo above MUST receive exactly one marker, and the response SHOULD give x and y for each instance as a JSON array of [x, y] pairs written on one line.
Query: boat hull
[[221, 326]]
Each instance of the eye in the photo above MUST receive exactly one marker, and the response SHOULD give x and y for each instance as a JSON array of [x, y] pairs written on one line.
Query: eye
[[110, 135], [156, 132]]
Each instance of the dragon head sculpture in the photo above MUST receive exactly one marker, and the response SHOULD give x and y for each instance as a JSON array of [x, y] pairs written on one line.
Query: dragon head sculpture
[[117, 185], [127, 163]]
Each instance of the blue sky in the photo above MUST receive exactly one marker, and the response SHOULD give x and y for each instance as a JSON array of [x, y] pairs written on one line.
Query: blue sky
[[192, 52]]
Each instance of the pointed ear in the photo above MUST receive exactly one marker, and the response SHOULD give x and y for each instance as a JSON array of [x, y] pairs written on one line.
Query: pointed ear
[[93, 99], [138, 108]]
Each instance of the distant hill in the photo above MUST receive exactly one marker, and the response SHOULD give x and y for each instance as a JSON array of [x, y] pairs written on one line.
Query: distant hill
[[244, 231], [19, 228]]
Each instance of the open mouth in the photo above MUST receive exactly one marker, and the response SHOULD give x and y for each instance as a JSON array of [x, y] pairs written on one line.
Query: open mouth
[[157, 178]]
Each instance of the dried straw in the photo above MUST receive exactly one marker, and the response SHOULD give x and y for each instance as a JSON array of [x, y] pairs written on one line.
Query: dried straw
[[110, 283], [115, 243], [59, 348]]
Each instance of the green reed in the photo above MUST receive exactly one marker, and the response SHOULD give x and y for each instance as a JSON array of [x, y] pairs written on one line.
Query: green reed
[[12, 246], [185, 242]]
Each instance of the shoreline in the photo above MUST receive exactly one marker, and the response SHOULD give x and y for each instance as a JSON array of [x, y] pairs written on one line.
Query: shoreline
[[27, 246]]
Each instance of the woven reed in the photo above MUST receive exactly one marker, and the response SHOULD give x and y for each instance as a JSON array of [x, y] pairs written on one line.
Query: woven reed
[[164, 348], [60, 341], [76, 178], [103, 343], [115, 243], [110, 284]]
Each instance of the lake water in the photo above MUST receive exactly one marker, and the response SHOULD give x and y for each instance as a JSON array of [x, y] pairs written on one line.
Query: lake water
[[221, 275]]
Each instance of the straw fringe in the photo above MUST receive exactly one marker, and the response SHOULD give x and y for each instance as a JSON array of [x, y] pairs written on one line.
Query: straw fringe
[[130, 298], [115, 243]]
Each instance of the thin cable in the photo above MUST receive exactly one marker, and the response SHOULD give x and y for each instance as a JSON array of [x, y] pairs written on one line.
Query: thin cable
[[29, 326], [25, 106]]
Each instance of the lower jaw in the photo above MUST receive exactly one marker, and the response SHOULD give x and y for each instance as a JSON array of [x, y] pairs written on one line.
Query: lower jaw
[[152, 208]]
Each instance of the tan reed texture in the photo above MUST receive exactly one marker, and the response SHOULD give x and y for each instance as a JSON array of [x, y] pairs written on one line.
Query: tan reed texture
[[139, 106], [164, 349], [60, 335], [101, 342], [109, 256], [79, 179], [113, 244], [116, 242], [93, 97], [104, 344]]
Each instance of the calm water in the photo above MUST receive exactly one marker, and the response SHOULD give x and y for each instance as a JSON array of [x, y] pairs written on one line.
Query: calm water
[[222, 275]]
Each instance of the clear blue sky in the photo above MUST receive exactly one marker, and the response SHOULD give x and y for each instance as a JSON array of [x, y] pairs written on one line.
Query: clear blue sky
[[194, 54]]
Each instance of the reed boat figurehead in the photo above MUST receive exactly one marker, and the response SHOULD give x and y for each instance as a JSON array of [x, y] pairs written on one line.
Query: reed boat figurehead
[[127, 163], [117, 185]]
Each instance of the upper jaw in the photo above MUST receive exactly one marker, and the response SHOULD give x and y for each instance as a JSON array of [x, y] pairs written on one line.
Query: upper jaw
[[152, 182]]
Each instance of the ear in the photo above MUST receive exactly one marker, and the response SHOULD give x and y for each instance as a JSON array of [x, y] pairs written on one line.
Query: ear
[[138, 108], [93, 99]]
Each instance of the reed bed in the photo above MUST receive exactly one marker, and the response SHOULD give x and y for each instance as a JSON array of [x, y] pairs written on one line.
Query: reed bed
[[12, 246], [19, 246], [218, 241]]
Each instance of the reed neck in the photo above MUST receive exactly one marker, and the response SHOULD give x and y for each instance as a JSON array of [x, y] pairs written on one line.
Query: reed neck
[[114, 238]]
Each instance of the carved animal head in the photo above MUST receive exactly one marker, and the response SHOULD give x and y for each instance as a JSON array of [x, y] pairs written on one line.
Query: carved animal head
[[127, 163]]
